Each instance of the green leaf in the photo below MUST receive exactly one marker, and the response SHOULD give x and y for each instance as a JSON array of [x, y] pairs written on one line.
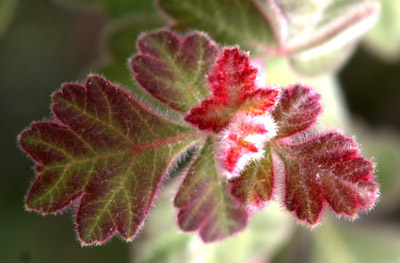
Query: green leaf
[[203, 200], [318, 36], [309, 63], [384, 37], [173, 68], [105, 151], [232, 22]]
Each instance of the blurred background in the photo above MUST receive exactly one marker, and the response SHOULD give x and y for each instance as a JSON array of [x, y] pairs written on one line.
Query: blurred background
[[44, 43]]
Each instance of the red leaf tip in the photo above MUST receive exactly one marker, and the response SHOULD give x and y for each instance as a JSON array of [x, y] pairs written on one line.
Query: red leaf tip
[[233, 87], [238, 111], [232, 74]]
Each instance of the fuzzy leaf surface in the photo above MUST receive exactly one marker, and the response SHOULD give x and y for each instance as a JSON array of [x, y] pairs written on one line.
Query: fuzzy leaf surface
[[254, 187], [327, 168], [297, 110], [232, 83], [234, 22], [104, 151], [204, 203], [173, 68]]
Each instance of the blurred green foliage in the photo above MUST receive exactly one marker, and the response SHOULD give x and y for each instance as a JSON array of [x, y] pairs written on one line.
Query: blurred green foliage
[[7, 9], [384, 37], [113, 8], [45, 43]]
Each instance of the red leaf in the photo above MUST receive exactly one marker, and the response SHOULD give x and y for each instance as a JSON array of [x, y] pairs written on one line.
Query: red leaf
[[327, 168], [232, 83], [105, 151], [297, 110]]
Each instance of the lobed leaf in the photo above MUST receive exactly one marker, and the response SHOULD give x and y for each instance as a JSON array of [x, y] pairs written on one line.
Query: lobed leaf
[[297, 110], [327, 168], [173, 69], [232, 83], [109, 153], [203, 201], [105, 151]]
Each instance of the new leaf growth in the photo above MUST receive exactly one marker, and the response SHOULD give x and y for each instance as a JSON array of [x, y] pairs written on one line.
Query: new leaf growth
[[108, 152]]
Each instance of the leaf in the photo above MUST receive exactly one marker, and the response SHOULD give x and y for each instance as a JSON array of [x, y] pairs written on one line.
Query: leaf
[[118, 46], [319, 36], [267, 231], [311, 20], [108, 153], [104, 151], [232, 83], [384, 37], [316, 36], [255, 185], [311, 63], [234, 22], [327, 168], [118, 43], [318, 168], [173, 68], [297, 110], [331, 42], [203, 201]]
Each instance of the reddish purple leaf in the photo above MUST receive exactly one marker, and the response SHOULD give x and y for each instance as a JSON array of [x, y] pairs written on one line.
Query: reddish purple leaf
[[297, 110], [173, 68], [105, 151], [204, 203], [327, 168], [109, 153], [247, 136]]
